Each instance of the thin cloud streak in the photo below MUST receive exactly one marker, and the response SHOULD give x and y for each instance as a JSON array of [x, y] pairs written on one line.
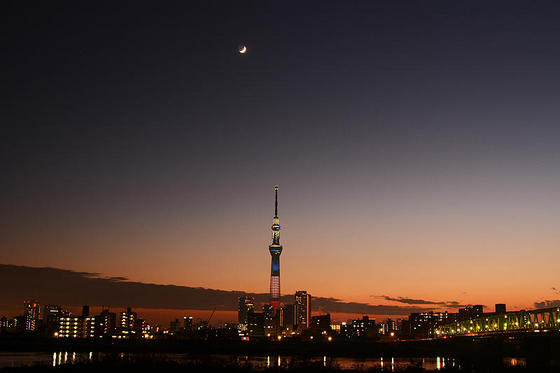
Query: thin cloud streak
[[411, 301], [547, 303]]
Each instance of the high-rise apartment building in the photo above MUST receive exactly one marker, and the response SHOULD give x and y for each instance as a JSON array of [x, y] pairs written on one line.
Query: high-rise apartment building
[[70, 327], [302, 308], [31, 311], [51, 315], [127, 319], [246, 305]]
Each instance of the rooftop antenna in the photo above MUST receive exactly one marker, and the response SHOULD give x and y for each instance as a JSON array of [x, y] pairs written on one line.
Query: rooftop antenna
[[276, 201]]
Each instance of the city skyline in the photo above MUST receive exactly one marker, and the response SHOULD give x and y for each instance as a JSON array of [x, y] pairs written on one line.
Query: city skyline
[[290, 320], [415, 145]]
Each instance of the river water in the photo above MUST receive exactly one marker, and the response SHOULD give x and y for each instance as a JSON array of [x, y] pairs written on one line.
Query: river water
[[395, 364]]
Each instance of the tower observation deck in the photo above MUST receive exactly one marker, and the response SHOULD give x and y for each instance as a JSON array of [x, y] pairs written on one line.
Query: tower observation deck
[[275, 251]]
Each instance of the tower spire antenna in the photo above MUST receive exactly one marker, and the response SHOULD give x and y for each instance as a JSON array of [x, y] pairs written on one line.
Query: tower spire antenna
[[276, 200]]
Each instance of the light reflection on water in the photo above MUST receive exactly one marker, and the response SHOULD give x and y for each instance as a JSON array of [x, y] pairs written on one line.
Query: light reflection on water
[[58, 358], [396, 364]]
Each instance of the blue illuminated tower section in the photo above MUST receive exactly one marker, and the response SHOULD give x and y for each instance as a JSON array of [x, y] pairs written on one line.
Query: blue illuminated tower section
[[275, 251]]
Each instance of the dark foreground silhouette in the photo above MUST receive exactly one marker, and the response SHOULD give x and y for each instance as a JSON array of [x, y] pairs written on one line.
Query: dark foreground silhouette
[[162, 366], [539, 353]]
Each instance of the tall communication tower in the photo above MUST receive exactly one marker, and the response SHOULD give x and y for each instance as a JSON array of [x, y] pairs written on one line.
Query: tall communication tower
[[275, 251]]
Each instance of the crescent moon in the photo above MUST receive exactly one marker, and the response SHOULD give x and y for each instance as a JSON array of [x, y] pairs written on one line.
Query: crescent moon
[[243, 50]]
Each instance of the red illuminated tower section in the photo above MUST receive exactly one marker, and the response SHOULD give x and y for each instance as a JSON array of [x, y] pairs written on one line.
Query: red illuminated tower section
[[275, 251]]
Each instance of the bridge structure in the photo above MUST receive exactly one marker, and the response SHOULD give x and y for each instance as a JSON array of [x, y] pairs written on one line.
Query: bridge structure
[[517, 321]]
